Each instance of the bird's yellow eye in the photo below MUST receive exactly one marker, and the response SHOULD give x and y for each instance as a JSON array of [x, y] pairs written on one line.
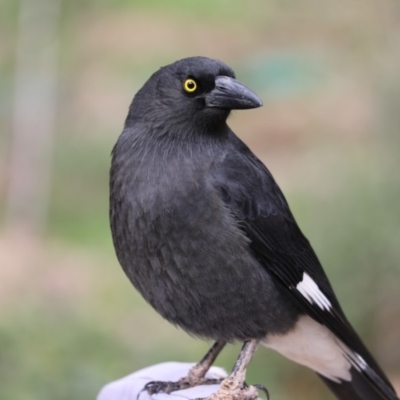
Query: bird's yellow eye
[[190, 85]]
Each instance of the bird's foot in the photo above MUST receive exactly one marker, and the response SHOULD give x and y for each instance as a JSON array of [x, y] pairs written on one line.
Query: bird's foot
[[187, 382], [230, 390]]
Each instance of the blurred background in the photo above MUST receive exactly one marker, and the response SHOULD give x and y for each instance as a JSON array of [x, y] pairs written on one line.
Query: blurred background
[[328, 73]]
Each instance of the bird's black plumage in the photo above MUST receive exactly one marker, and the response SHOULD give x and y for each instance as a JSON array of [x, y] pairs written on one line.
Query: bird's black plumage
[[205, 234]]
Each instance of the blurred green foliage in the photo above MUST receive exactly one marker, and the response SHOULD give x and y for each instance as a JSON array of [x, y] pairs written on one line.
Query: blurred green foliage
[[331, 142]]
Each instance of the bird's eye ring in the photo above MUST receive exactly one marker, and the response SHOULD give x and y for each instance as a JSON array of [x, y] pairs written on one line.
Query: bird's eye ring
[[189, 85]]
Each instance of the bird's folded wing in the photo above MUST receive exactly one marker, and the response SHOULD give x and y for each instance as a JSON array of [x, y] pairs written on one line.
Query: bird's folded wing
[[261, 211]]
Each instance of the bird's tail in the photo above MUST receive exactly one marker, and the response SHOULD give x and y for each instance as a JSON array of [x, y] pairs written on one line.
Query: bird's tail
[[364, 385]]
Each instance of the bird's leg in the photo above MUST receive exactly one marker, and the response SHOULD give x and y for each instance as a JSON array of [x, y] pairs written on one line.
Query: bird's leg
[[195, 377], [197, 373], [233, 387]]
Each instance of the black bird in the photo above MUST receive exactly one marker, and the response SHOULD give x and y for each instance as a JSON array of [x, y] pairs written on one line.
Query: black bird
[[203, 231]]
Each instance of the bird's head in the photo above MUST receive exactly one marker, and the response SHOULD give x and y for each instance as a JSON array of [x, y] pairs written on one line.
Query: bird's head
[[195, 90]]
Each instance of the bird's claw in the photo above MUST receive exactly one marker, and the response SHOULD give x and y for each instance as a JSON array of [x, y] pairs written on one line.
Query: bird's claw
[[263, 389], [259, 387], [155, 387]]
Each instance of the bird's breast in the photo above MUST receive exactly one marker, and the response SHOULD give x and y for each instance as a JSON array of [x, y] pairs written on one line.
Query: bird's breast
[[182, 249]]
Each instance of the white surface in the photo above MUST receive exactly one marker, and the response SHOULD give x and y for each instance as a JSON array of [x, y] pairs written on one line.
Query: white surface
[[128, 388]]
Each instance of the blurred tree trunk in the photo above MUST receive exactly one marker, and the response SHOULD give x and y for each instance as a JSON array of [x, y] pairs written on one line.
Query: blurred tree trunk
[[34, 114]]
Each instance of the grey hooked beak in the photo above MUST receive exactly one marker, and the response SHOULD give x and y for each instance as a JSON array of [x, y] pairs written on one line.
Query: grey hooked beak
[[231, 94]]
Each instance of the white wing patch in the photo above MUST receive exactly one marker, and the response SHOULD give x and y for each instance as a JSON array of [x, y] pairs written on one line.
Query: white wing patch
[[310, 290]]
